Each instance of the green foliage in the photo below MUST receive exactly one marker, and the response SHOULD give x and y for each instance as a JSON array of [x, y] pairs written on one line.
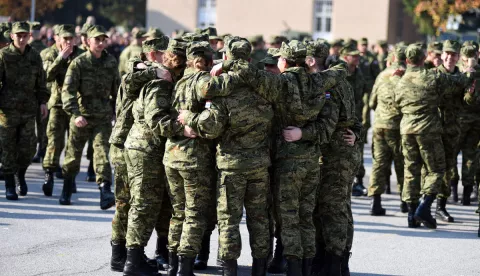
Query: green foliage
[[424, 21]]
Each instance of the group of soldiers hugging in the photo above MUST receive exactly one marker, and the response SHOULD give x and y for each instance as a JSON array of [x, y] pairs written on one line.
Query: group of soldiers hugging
[[207, 125]]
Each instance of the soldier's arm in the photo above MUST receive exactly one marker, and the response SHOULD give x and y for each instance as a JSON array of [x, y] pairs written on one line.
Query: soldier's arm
[[69, 90], [157, 109], [374, 96], [219, 86], [331, 77], [40, 83], [327, 119], [366, 107], [52, 65], [122, 62], [211, 122]]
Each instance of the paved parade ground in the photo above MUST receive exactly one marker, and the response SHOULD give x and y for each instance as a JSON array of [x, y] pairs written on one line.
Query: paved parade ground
[[40, 237]]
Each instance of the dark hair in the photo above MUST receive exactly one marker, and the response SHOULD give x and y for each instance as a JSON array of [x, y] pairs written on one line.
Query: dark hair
[[174, 61], [200, 62]]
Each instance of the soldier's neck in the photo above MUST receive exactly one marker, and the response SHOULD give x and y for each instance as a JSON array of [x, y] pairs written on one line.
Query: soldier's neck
[[20, 49]]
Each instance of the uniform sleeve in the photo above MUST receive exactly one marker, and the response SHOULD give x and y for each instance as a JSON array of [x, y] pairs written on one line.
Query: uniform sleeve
[[41, 84], [157, 110], [122, 62], [372, 103], [326, 121], [448, 80], [53, 66], [222, 85], [331, 77], [211, 122], [135, 80], [366, 107], [69, 90]]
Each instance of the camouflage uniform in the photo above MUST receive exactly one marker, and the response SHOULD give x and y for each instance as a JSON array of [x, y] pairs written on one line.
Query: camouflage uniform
[[23, 90], [131, 51], [434, 47]]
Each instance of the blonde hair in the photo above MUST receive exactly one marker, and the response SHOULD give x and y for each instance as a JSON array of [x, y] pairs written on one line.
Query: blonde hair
[[174, 61], [200, 62]]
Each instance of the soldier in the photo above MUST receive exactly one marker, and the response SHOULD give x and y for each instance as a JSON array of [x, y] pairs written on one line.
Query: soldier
[[386, 143], [417, 95], [145, 146], [259, 51], [4, 35], [84, 37], [153, 33], [382, 48], [139, 72], [213, 38], [277, 40], [23, 92], [36, 42], [88, 95], [241, 121], [132, 50], [56, 63], [434, 55]]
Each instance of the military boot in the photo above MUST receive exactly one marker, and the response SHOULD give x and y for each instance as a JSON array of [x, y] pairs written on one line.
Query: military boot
[[388, 189], [65, 198], [403, 207], [294, 267], [91, 176], [344, 267], [48, 184], [467, 192], [333, 265], [74, 186], [454, 186], [161, 253], [59, 173], [474, 196], [10, 192], [376, 206], [2, 177], [319, 260], [424, 212], [172, 264], [136, 265], [38, 155], [358, 189], [278, 264], [441, 211], [107, 198], [259, 267], [185, 266], [412, 222], [202, 258], [230, 267], [119, 256], [307, 266], [22, 187]]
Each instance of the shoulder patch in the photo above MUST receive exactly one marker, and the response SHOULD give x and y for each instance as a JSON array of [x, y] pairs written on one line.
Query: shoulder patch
[[328, 95]]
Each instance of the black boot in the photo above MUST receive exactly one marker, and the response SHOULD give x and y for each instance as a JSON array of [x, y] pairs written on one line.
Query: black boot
[[307, 266], [454, 186], [48, 184], [442, 211], [59, 173], [334, 265], [319, 261], [467, 192], [358, 189], [161, 253], [107, 198], [119, 256], [172, 264], [202, 258], [136, 264], [403, 207], [230, 267], [10, 191], [388, 189], [412, 222], [259, 267], [474, 196], [91, 176], [22, 187], [344, 267], [2, 177], [65, 198], [278, 264], [185, 266], [38, 155], [424, 212], [376, 206], [294, 267], [74, 186]]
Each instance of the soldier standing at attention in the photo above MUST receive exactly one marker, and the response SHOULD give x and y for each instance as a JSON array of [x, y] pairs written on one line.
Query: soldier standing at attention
[[417, 95], [88, 96], [57, 62], [132, 50], [386, 143], [23, 93], [382, 48], [434, 55]]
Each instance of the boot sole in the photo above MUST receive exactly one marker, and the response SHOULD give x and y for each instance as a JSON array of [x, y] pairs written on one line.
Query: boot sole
[[12, 198], [443, 218], [375, 214], [65, 202], [108, 206], [47, 191], [426, 223]]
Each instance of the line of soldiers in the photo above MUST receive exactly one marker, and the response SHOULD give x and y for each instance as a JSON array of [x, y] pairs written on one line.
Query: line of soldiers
[[197, 139]]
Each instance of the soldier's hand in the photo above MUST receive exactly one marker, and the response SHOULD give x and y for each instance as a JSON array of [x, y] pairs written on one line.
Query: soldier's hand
[[164, 74], [349, 137], [66, 52], [292, 134], [398, 72], [216, 70], [188, 132], [181, 116], [80, 121], [43, 111], [141, 66]]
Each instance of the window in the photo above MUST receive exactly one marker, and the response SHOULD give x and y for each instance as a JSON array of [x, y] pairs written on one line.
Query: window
[[322, 19], [207, 14]]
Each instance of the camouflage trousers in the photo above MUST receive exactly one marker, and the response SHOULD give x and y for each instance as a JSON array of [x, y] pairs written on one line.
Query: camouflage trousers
[[468, 145], [386, 147], [273, 203], [147, 182], [236, 190], [297, 181], [333, 217], [17, 133], [361, 169], [41, 126], [422, 150], [56, 128], [99, 130], [122, 200], [191, 195]]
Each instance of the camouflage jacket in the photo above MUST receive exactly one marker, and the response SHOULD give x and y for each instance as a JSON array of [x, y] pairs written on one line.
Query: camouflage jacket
[[469, 113], [387, 116], [132, 83], [370, 69], [382, 63], [38, 45], [48, 57], [360, 88], [417, 95], [23, 86], [181, 152], [240, 119], [129, 52], [56, 68], [90, 86], [257, 56], [428, 65], [153, 122]]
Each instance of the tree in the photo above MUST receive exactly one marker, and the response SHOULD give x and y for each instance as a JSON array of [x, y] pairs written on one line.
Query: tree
[[127, 13], [20, 9]]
